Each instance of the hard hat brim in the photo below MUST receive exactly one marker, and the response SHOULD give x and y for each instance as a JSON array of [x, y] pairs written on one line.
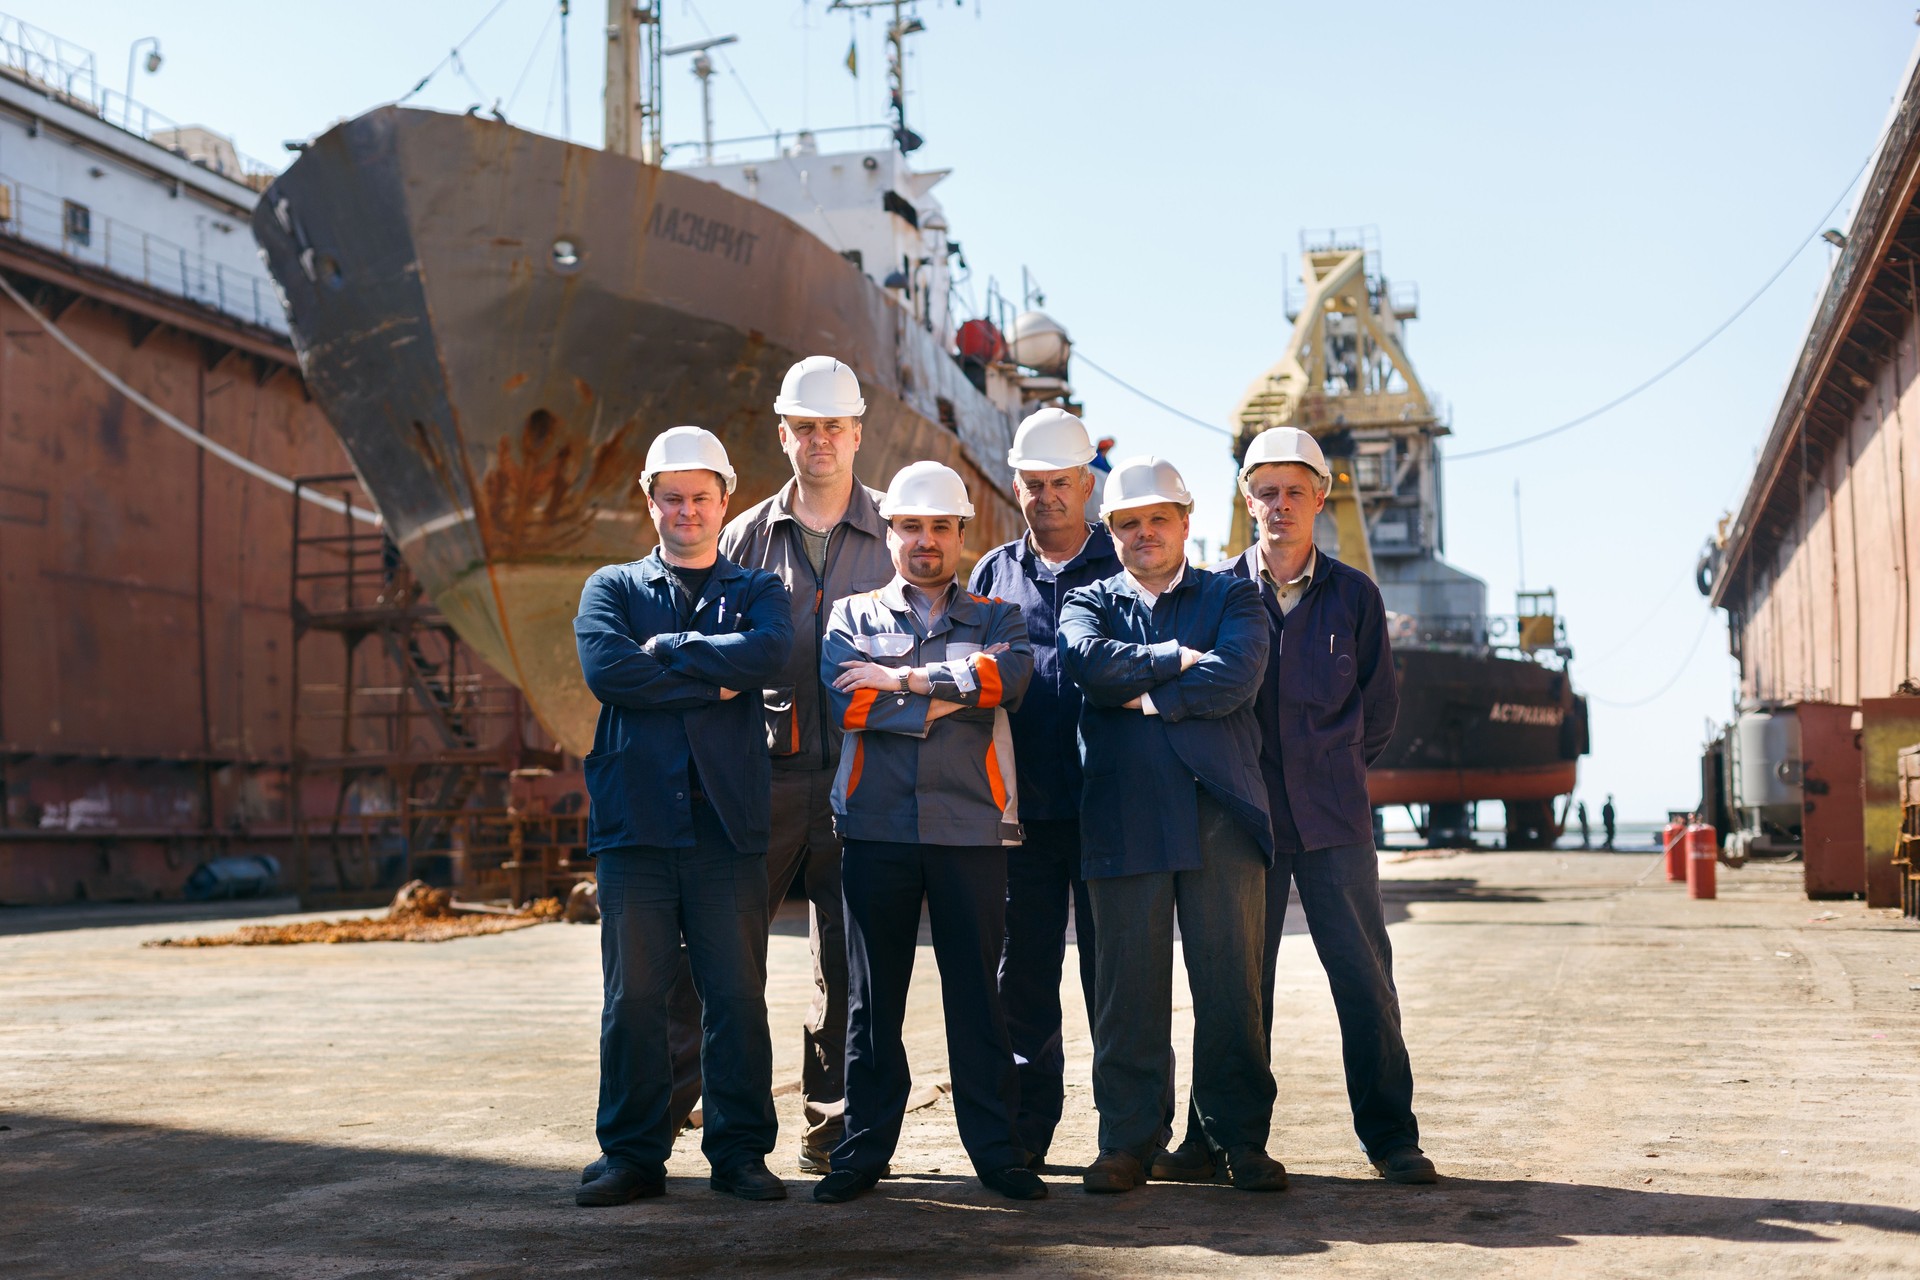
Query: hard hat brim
[[1050, 464], [888, 513], [1144, 500], [794, 409], [728, 480], [1324, 472]]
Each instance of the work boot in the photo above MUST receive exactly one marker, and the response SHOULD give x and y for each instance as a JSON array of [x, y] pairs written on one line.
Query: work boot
[[749, 1180], [1113, 1172], [816, 1160], [594, 1170], [1191, 1161], [618, 1185], [1406, 1165], [1016, 1183], [1252, 1169], [843, 1185]]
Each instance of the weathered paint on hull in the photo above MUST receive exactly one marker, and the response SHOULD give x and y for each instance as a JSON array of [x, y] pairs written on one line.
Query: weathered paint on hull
[[1475, 727], [498, 400]]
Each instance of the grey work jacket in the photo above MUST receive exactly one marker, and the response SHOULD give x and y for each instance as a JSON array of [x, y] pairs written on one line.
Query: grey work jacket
[[906, 780], [764, 536]]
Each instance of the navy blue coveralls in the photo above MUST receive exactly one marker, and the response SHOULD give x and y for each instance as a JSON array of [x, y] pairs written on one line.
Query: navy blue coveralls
[[1174, 819], [1043, 875], [679, 784], [1327, 708]]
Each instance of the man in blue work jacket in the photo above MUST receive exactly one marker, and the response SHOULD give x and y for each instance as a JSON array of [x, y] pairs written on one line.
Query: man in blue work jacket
[[1327, 705], [1052, 481], [925, 803], [678, 780], [1174, 823]]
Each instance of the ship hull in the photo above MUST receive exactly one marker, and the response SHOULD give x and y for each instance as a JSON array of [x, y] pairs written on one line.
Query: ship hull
[[1479, 727], [498, 323]]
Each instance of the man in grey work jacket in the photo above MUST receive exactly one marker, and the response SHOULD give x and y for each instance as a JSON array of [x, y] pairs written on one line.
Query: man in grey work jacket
[[678, 783], [1173, 822], [1061, 551], [823, 537], [1327, 706], [925, 803]]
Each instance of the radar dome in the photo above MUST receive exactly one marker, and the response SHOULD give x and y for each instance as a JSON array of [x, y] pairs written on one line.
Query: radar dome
[[1041, 344]]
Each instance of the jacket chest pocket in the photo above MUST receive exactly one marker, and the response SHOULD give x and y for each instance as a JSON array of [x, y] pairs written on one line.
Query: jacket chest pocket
[[1318, 668], [886, 647]]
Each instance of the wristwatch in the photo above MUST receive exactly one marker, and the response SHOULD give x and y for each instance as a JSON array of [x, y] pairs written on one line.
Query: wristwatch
[[906, 679]]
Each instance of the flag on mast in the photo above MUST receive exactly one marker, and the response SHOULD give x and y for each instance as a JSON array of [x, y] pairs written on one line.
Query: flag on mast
[[853, 59]]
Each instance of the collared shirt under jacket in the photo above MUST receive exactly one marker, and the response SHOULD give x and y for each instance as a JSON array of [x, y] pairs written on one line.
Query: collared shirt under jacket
[[1328, 702], [663, 726], [1046, 726], [1140, 810], [766, 536], [902, 778]]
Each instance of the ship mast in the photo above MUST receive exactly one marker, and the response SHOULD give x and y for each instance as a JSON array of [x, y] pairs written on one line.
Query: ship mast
[[633, 80], [898, 30]]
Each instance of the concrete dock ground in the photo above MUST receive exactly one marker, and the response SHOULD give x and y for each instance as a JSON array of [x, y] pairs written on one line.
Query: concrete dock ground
[[1614, 1081]]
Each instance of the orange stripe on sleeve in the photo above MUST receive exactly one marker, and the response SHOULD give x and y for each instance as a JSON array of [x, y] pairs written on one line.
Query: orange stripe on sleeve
[[989, 673], [859, 708], [859, 763], [993, 779]]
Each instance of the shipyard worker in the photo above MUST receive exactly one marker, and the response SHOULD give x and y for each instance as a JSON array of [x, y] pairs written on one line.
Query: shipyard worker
[[1173, 825], [1586, 828], [925, 801], [678, 784], [1327, 705], [822, 536], [1053, 482], [1607, 823]]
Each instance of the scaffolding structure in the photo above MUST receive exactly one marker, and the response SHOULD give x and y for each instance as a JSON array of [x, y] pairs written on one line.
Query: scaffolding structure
[[410, 756]]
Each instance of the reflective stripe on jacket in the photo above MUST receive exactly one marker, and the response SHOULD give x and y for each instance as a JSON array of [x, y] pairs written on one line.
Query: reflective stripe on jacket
[[1046, 726], [764, 537], [660, 704], [1327, 704], [1140, 810], [905, 780]]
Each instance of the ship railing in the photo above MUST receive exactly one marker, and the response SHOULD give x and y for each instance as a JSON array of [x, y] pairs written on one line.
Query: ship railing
[[1495, 633], [68, 73], [77, 231]]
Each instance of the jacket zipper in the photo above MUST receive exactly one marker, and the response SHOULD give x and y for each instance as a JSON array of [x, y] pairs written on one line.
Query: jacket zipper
[[820, 639]]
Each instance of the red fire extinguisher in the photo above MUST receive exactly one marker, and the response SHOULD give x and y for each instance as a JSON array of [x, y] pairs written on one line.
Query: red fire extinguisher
[[1674, 842], [1703, 854]]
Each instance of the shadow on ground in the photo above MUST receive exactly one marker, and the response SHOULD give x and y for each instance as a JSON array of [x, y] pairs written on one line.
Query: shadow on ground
[[107, 1199]]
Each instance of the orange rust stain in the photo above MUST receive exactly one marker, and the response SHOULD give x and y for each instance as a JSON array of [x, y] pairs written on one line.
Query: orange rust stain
[[581, 389], [514, 383], [542, 488]]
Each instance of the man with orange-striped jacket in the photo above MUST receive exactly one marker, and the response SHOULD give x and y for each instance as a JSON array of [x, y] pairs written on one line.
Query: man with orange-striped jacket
[[920, 676]]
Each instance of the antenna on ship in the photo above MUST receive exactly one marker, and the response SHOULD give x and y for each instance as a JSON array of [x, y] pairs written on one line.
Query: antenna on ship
[[633, 80], [703, 71], [902, 26]]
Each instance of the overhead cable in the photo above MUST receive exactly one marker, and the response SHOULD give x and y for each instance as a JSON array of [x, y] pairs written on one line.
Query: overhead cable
[[1671, 681], [453, 55], [1204, 425], [166, 419], [1690, 352]]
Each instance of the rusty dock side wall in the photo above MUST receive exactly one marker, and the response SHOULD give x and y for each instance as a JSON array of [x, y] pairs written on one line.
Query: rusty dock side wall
[[146, 713]]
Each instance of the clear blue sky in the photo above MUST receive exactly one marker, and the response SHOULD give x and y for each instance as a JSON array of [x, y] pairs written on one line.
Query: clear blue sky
[[1580, 191]]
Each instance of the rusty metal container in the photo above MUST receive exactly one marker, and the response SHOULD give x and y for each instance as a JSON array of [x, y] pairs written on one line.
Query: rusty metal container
[[1905, 864]]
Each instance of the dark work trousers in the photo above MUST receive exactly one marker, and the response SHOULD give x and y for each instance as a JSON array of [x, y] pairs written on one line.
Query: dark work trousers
[[803, 847], [1043, 881], [1221, 908], [716, 899], [1340, 897], [965, 887]]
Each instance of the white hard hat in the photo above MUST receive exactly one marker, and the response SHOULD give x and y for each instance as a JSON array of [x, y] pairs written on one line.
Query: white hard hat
[[1050, 440], [687, 449], [819, 387], [1143, 482], [1284, 444], [926, 489]]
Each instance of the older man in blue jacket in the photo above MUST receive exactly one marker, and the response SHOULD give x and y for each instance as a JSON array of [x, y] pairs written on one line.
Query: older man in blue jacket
[[680, 786], [1327, 706], [1173, 823], [1052, 481]]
